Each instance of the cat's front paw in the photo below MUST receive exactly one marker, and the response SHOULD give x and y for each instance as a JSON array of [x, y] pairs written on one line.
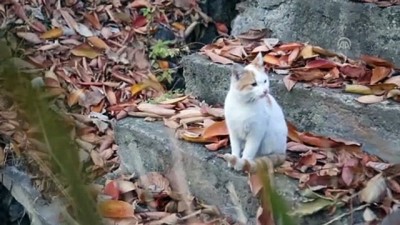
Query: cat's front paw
[[230, 159], [240, 162]]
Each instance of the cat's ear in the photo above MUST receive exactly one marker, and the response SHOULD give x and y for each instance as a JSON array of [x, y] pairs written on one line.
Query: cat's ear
[[237, 71], [258, 61]]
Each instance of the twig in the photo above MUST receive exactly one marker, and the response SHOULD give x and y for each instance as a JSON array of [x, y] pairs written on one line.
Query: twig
[[346, 214]]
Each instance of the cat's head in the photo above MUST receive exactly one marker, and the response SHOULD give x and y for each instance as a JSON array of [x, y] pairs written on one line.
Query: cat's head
[[250, 82]]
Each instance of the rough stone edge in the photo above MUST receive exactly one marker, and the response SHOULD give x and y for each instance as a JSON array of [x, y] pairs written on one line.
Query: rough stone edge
[[19, 184]]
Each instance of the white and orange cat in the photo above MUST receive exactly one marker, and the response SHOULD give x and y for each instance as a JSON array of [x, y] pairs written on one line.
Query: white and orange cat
[[255, 121]]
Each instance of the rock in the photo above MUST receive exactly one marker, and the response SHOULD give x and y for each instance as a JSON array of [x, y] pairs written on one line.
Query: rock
[[163, 33], [340, 25], [151, 146], [324, 111], [40, 211]]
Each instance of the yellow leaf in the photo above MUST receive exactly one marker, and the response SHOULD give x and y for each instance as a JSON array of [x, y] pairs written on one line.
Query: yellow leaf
[[97, 42], [163, 64], [85, 50], [307, 52], [358, 89], [116, 209], [53, 33], [178, 26], [152, 83]]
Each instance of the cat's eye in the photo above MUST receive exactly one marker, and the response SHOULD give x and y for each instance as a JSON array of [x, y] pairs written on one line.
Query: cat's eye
[[265, 81], [254, 84]]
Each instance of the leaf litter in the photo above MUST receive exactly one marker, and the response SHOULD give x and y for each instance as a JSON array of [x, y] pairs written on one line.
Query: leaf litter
[[82, 51]]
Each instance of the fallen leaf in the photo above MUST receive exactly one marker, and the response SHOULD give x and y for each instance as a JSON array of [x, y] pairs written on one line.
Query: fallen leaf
[[116, 209], [293, 55], [358, 89], [378, 166], [85, 50], [218, 145], [320, 64], [308, 159], [53, 33], [290, 46], [169, 220], [111, 189], [307, 52], [254, 34], [374, 190], [156, 109], [307, 75], [379, 73], [216, 129], [221, 28], [97, 42], [289, 83], [393, 80], [370, 99], [29, 36], [174, 100], [347, 175], [270, 59], [74, 97], [352, 71], [217, 58], [298, 147], [309, 208], [376, 61]]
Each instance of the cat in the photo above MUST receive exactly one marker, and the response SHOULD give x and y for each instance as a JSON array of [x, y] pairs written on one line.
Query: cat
[[254, 119]]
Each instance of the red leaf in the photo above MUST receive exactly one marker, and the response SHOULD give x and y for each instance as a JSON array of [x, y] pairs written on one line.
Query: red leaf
[[307, 75], [112, 190], [320, 64], [218, 145], [140, 21], [221, 28], [352, 71], [308, 159]]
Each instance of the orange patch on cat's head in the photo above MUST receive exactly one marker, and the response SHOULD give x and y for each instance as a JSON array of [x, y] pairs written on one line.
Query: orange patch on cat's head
[[246, 80]]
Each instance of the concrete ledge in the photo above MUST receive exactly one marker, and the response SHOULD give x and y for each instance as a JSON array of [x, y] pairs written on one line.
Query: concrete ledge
[[151, 146], [324, 111]]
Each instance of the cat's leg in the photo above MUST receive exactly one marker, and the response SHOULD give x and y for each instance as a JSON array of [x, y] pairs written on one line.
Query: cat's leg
[[236, 144], [251, 148]]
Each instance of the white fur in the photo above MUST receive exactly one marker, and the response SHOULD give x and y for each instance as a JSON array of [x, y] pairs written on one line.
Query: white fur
[[255, 124]]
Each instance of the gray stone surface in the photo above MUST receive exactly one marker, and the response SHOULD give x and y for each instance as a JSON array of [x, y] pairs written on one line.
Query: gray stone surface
[[325, 111], [370, 29], [151, 146], [19, 184]]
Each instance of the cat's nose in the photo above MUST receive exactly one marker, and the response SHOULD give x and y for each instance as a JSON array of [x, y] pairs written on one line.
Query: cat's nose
[[265, 92]]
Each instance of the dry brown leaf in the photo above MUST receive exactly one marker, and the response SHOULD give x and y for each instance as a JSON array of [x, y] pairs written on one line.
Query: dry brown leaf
[[217, 58], [97, 42], [216, 129], [74, 97], [116, 209], [374, 190], [53, 33], [307, 52], [85, 50], [174, 100], [270, 59], [29, 36], [393, 80], [357, 89], [289, 83], [156, 109], [96, 158], [218, 145], [370, 99], [379, 73], [376, 61], [155, 181]]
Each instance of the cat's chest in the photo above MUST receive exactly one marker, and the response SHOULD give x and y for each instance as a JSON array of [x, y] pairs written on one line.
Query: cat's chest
[[244, 118]]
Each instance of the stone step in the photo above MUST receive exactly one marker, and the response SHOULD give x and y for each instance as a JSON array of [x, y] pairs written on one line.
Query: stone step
[[341, 25], [151, 146], [324, 111]]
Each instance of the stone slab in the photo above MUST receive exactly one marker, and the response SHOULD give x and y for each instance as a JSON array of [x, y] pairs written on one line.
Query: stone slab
[[151, 146], [340, 25], [324, 111]]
